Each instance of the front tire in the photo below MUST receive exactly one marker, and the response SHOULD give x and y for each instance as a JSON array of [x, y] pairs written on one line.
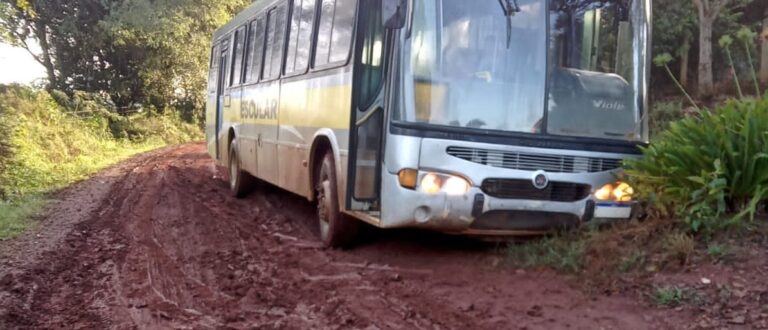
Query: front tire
[[240, 182], [337, 230]]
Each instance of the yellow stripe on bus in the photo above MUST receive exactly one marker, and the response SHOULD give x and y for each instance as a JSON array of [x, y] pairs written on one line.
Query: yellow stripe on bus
[[321, 107]]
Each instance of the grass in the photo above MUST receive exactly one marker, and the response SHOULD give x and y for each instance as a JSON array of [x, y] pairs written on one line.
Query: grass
[[673, 296], [559, 253], [51, 148], [15, 216], [668, 296], [633, 261], [718, 251]]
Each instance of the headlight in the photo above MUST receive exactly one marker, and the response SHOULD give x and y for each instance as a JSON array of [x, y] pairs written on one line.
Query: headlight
[[433, 183], [456, 186], [623, 192], [616, 192]]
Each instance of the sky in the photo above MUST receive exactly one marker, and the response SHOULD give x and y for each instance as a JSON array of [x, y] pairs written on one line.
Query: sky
[[18, 66]]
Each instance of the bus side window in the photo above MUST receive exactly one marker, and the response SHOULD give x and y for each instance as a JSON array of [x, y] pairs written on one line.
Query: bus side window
[[214, 70], [275, 41], [300, 38], [334, 38], [255, 53], [237, 57], [372, 70]]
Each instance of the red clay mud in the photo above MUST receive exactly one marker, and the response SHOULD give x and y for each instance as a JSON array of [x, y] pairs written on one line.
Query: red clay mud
[[157, 243]]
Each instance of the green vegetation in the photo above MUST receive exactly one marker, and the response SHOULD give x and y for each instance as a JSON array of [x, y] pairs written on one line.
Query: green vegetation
[[710, 171], [668, 296], [632, 262], [718, 251], [152, 53], [560, 253], [673, 296], [48, 146]]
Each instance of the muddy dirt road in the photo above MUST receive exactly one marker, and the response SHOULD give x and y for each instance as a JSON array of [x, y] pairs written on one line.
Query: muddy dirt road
[[157, 243]]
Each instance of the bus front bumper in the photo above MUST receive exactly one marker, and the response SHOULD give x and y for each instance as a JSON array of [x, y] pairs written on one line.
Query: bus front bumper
[[476, 213]]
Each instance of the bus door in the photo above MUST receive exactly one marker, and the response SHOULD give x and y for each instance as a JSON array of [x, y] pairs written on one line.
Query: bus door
[[221, 99], [368, 115]]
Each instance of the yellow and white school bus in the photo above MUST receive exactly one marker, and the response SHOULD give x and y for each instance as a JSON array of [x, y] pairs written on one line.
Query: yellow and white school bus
[[483, 117]]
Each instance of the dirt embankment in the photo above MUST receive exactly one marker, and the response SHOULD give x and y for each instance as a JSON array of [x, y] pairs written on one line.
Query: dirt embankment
[[157, 243]]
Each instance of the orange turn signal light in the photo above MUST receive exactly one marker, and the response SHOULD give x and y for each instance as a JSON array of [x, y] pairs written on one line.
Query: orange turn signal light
[[408, 178]]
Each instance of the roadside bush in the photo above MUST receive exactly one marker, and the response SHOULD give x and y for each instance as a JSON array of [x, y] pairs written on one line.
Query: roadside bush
[[711, 170], [53, 145], [48, 141], [5, 141]]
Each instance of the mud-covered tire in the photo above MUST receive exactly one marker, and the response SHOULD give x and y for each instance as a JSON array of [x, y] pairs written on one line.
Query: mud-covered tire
[[337, 230], [240, 182]]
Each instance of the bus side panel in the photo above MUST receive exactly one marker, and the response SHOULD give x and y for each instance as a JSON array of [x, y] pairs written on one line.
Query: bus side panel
[[266, 138], [210, 123], [320, 102]]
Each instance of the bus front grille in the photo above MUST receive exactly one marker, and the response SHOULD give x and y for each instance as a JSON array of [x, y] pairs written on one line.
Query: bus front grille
[[524, 189], [535, 162]]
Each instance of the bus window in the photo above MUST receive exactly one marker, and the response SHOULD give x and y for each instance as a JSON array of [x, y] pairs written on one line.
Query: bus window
[[371, 70], [275, 40], [255, 52], [334, 38], [214, 71], [300, 38], [237, 56]]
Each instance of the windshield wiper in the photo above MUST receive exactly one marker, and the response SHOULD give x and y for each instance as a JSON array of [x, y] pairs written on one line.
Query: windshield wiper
[[510, 8]]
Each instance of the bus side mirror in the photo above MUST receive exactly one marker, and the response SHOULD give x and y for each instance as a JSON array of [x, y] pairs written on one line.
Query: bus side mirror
[[393, 13]]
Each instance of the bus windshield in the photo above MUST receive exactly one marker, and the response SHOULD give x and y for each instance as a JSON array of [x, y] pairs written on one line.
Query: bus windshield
[[496, 65]]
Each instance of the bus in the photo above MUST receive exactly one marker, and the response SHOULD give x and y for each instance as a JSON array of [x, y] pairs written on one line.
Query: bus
[[483, 117]]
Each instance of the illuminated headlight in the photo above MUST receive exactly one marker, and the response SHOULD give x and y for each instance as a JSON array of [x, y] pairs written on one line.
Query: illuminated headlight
[[616, 192], [433, 183]]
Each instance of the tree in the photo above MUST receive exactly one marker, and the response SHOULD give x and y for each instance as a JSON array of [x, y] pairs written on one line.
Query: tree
[[674, 26], [764, 56], [149, 52], [175, 36], [708, 11], [20, 23]]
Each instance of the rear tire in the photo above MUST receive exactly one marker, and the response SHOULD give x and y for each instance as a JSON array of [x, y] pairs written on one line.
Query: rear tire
[[337, 230], [240, 182]]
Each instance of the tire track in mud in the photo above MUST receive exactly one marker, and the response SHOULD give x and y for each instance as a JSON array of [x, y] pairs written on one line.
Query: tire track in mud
[[166, 248]]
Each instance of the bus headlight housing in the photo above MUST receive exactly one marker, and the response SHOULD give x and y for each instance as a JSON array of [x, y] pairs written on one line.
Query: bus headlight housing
[[615, 192], [433, 183]]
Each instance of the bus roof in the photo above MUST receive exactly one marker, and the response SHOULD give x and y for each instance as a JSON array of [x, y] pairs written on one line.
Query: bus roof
[[243, 17]]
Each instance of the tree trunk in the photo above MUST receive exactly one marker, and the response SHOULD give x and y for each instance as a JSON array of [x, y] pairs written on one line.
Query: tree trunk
[[706, 85], [764, 56], [685, 57], [41, 34]]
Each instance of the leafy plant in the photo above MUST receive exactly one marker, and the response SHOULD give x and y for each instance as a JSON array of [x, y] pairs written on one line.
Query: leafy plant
[[709, 167]]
